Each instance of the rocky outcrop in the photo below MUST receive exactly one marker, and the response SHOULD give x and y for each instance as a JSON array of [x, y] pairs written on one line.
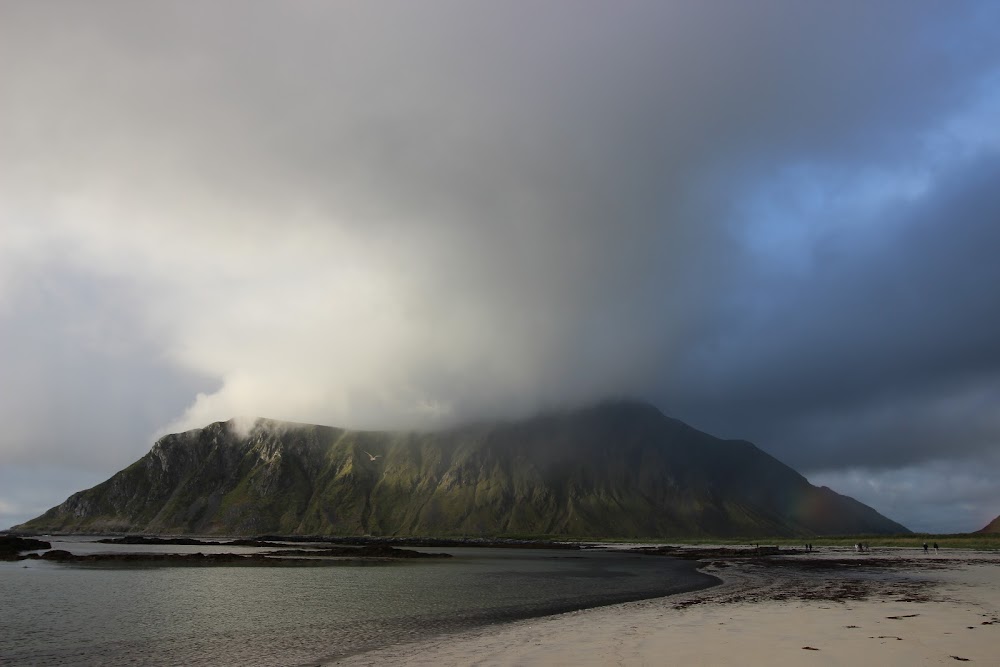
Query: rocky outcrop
[[11, 546]]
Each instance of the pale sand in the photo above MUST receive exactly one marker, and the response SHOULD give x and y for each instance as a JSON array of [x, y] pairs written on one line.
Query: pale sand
[[947, 611]]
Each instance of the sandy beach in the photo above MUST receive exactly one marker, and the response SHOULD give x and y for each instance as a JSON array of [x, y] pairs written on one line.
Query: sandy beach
[[829, 607]]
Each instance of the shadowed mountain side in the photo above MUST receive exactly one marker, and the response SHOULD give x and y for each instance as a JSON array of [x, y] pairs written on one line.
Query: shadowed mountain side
[[621, 469], [992, 527]]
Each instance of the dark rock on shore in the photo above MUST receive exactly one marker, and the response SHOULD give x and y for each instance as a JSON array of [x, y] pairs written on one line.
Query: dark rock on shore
[[728, 553], [11, 546], [354, 548], [320, 554], [370, 551], [256, 543], [188, 541], [318, 558], [439, 542], [142, 539]]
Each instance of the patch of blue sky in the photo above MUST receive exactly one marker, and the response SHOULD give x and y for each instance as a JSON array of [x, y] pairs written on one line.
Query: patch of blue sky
[[807, 204], [786, 217], [972, 131]]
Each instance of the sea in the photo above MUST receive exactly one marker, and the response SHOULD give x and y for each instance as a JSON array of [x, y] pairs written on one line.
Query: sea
[[160, 614]]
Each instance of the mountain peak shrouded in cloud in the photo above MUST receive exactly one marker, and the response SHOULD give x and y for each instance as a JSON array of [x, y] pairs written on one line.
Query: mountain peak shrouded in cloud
[[775, 219], [618, 469]]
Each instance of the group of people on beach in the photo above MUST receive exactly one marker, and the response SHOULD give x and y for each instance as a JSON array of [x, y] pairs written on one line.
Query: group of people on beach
[[935, 547], [861, 547]]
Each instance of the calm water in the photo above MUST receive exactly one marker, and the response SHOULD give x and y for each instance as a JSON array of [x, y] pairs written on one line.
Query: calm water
[[59, 614]]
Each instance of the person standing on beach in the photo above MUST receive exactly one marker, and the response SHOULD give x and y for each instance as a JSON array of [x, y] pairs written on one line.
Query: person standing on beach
[[925, 547]]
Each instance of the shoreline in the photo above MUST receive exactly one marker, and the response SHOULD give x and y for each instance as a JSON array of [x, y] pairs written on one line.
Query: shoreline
[[895, 606]]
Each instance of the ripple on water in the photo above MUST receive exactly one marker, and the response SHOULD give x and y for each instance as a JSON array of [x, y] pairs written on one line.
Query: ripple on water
[[65, 615]]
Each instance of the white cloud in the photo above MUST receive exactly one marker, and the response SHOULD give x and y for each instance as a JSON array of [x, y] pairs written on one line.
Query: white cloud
[[404, 216]]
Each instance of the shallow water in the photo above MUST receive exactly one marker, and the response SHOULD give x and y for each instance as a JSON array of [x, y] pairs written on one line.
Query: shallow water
[[66, 614]]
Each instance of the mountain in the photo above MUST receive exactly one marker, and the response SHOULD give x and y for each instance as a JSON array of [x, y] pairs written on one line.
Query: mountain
[[619, 469], [992, 527]]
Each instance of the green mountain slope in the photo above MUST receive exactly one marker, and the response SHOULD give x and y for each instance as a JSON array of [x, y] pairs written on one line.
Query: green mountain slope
[[620, 469]]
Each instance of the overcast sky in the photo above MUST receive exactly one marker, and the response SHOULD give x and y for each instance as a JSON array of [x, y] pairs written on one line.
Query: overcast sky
[[777, 221]]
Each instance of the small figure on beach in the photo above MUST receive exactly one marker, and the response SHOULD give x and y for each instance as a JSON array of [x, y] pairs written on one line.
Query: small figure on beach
[[935, 547], [925, 547]]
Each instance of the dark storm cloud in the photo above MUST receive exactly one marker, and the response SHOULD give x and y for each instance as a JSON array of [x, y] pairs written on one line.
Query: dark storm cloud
[[886, 351], [773, 219]]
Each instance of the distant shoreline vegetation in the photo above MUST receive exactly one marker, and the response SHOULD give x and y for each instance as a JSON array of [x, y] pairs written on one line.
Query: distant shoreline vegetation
[[909, 540], [914, 540]]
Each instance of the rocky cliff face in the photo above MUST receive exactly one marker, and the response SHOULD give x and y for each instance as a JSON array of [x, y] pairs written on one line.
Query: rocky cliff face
[[617, 470]]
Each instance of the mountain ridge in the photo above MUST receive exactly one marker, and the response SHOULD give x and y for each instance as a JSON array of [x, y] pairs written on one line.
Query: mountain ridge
[[992, 527], [617, 469]]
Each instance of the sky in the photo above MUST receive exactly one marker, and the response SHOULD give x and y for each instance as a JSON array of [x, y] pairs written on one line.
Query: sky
[[777, 221]]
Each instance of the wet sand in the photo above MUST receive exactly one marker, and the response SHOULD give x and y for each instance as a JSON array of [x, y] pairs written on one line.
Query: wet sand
[[828, 607]]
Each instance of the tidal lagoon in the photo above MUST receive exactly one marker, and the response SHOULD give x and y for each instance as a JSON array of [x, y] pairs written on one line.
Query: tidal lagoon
[[159, 614]]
